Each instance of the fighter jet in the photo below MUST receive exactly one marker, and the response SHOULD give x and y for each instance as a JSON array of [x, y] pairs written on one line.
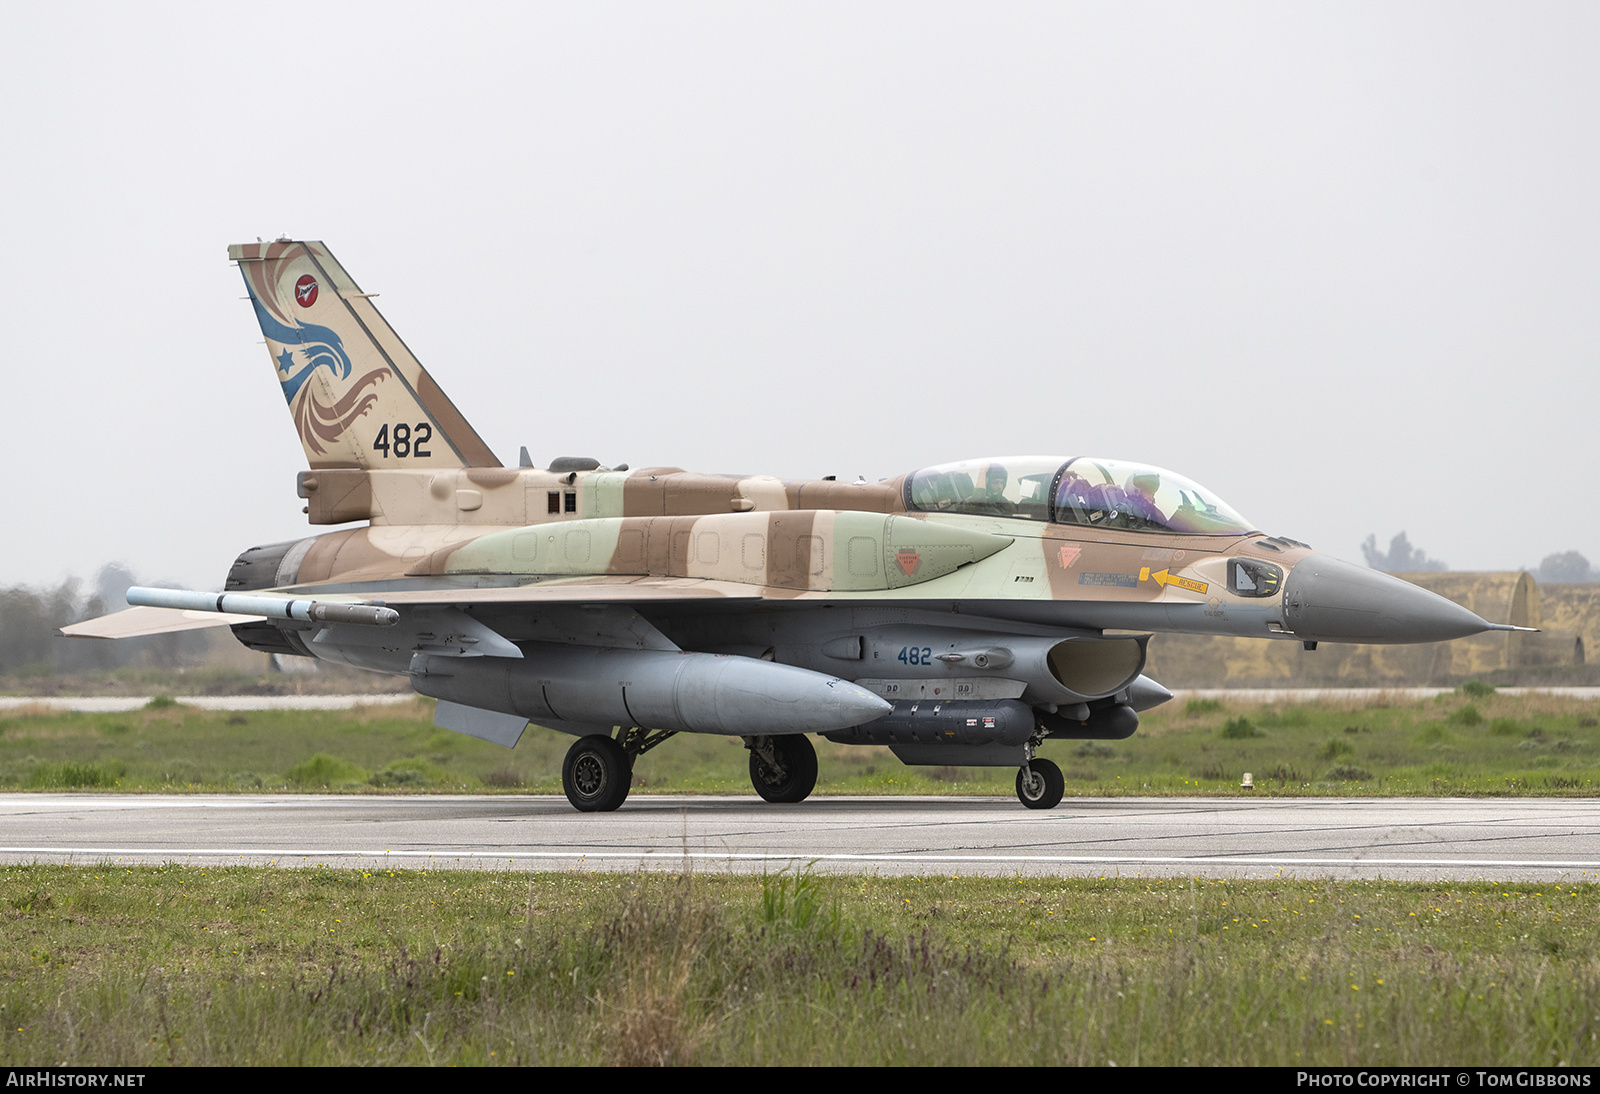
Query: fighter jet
[[960, 614]]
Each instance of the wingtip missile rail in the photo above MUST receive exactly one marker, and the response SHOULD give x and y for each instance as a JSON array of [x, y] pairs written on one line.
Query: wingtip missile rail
[[270, 607]]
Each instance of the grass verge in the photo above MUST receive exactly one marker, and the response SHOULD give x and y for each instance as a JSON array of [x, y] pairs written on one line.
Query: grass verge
[[184, 965], [1473, 742]]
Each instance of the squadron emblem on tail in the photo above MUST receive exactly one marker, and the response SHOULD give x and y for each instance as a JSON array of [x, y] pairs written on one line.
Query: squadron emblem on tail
[[303, 348], [350, 383]]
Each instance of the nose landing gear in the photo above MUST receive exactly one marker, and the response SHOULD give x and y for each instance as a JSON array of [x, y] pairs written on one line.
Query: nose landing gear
[[782, 769], [1040, 784]]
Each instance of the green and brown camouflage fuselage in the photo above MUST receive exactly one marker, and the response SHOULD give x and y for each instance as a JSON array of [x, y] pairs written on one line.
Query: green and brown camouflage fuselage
[[960, 613]]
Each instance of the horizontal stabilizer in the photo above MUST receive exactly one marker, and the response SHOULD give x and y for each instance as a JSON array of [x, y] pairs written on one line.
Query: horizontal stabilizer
[[139, 622]]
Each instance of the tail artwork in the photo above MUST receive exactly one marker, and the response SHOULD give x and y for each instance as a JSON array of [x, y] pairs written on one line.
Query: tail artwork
[[358, 397]]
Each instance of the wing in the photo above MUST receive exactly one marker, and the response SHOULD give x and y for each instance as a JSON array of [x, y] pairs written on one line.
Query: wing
[[610, 590], [410, 593]]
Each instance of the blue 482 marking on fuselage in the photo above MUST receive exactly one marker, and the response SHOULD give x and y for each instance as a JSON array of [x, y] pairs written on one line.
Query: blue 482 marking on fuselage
[[916, 655]]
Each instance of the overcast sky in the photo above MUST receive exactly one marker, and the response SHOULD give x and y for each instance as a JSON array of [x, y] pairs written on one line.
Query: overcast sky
[[1338, 263]]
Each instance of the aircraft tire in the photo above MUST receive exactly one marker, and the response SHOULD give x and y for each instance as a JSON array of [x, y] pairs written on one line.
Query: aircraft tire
[[795, 784], [596, 774], [1044, 789]]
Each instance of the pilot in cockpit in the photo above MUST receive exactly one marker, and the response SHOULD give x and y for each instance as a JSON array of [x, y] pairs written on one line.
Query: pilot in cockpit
[[1139, 497], [991, 497]]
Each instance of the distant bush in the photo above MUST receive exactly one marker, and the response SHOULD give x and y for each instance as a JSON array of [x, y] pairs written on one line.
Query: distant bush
[[1568, 567], [324, 770], [412, 772], [1342, 773], [1477, 689], [161, 702], [1097, 749], [1466, 716], [1505, 727], [73, 773], [1202, 706], [1334, 749], [1236, 729], [398, 777]]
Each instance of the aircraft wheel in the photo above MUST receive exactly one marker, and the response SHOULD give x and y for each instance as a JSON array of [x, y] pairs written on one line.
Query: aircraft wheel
[[596, 774], [794, 775], [1040, 784]]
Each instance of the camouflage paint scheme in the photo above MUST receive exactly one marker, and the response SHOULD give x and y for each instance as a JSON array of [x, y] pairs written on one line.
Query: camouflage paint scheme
[[839, 579]]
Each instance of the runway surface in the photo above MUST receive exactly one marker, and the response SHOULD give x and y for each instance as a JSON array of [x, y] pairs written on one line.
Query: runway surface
[[1423, 839]]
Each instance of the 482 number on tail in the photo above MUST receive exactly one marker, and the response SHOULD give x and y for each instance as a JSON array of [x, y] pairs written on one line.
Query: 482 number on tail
[[404, 440]]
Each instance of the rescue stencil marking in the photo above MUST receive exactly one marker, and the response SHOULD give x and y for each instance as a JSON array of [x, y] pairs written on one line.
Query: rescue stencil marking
[[1163, 578], [908, 561], [1069, 554]]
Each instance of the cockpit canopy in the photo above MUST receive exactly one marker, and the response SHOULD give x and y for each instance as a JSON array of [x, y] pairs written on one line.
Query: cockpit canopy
[[1084, 490]]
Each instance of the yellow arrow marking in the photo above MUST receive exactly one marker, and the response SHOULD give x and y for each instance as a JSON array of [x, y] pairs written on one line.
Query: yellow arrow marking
[[1163, 578]]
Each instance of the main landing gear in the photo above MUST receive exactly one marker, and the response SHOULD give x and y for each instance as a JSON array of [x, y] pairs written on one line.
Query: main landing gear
[[782, 769], [598, 771]]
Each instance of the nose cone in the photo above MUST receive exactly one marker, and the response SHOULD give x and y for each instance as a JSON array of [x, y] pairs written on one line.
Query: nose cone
[[1329, 600]]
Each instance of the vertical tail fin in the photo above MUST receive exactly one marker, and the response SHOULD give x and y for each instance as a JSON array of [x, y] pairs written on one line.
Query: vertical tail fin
[[358, 396]]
